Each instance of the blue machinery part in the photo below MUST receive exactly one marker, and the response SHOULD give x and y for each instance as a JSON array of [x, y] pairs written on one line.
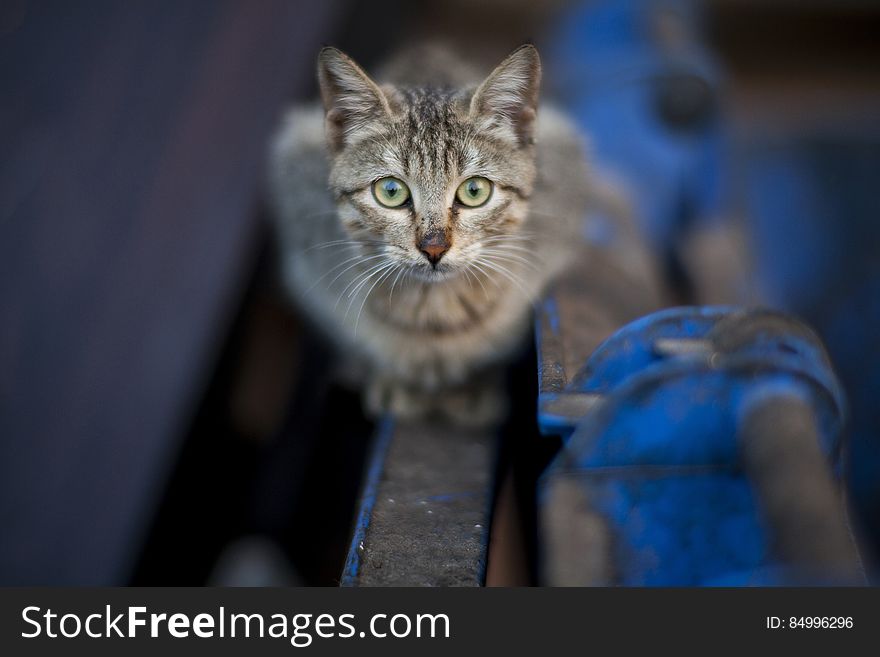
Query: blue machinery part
[[636, 77], [820, 184], [701, 446], [701, 450]]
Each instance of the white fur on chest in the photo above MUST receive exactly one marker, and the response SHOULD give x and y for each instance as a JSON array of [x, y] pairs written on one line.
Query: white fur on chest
[[433, 334]]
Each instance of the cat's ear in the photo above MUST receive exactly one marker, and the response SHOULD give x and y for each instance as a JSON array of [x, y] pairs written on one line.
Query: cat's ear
[[507, 101], [351, 99]]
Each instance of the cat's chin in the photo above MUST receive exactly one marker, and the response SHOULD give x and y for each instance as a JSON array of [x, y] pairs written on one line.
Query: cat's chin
[[441, 274]]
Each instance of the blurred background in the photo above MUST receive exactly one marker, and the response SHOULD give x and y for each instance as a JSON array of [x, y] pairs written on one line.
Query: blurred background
[[160, 404]]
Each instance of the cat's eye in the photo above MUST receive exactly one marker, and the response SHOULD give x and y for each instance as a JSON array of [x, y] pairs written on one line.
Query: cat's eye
[[390, 192], [474, 192]]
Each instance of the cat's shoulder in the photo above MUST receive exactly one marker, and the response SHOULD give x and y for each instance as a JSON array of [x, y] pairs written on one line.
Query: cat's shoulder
[[301, 133], [298, 164], [554, 126]]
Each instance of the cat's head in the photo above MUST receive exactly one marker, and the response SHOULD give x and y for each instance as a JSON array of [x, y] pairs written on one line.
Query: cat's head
[[436, 178]]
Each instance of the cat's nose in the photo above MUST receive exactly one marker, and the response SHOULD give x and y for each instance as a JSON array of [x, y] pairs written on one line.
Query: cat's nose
[[434, 246]]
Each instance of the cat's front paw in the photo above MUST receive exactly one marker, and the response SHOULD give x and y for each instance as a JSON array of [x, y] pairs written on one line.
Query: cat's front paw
[[385, 396], [476, 406], [473, 405]]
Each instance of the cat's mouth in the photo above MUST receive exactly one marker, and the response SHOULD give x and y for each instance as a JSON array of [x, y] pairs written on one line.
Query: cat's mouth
[[437, 273]]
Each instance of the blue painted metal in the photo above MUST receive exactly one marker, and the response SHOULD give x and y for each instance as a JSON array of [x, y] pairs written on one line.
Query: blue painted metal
[[610, 64], [629, 362], [657, 457], [632, 348], [381, 441], [810, 203], [680, 528], [809, 193], [813, 208]]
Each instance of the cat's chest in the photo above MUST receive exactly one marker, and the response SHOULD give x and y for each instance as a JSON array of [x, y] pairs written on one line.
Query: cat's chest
[[437, 333], [445, 308]]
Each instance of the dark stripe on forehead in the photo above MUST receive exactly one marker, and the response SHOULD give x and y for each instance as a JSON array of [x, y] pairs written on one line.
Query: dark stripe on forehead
[[431, 128]]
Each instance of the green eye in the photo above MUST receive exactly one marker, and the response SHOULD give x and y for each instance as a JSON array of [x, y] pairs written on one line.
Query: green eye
[[474, 192], [390, 192]]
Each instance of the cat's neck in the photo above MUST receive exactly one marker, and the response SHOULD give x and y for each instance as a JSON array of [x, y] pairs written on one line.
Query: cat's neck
[[445, 306]]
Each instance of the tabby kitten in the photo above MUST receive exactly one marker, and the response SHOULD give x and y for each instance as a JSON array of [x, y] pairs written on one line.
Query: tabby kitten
[[420, 218]]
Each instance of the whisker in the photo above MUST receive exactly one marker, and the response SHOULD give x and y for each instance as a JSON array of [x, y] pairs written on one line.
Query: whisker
[[512, 237], [511, 264], [381, 266], [478, 279], [408, 274], [509, 247], [360, 260], [525, 235], [509, 275], [367, 295], [468, 276], [510, 257], [332, 269], [507, 250], [521, 245], [357, 280], [327, 245], [340, 243], [486, 274], [394, 283], [361, 285]]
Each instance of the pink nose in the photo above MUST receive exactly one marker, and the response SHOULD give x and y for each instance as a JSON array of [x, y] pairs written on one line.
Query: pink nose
[[433, 247]]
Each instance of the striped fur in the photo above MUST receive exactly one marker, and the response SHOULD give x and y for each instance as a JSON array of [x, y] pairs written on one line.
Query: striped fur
[[432, 338]]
